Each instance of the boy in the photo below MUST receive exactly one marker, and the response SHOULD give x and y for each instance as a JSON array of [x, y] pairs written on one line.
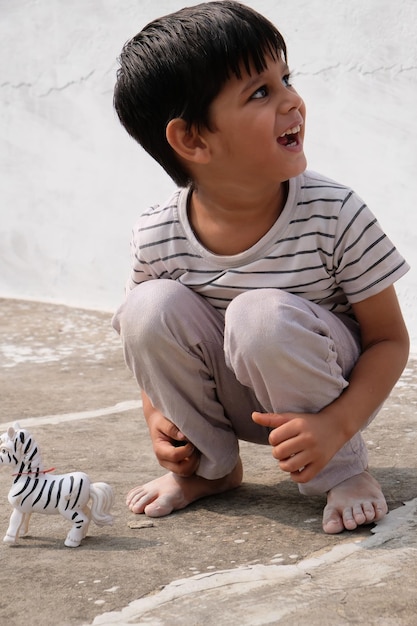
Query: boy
[[261, 303]]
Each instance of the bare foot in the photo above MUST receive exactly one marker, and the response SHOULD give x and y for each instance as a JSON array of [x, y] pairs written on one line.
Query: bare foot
[[170, 492], [352, 503]]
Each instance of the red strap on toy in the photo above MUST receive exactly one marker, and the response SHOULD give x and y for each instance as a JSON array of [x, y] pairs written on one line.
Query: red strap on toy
[[34, 473]]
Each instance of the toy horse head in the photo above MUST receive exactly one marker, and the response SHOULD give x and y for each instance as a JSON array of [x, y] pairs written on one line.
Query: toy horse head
[[17, 447], [7, 445]]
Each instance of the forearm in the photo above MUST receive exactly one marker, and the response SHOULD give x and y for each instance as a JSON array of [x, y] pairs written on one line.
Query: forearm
[[171, 447], [148, 408], [157, 422], [371, 381]]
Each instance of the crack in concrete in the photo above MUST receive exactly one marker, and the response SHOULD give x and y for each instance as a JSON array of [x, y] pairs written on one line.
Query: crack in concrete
[[252, 579]]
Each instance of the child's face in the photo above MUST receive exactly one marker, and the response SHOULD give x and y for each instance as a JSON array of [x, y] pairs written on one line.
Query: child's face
[[258, 124]]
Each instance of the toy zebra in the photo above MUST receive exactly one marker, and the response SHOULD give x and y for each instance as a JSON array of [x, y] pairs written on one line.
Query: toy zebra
[[34, 489]]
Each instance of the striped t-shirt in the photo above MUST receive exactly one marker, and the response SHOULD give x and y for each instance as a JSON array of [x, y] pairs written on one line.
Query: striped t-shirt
[[326, 246]]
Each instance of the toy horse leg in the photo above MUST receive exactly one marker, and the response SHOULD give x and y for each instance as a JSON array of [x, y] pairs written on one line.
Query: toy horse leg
[[16, 520], [87, 513], [79, 528], [24, 526]]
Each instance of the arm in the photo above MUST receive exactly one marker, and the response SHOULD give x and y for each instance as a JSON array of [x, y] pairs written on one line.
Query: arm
[[171, 448], [309, 441], [385, 348]]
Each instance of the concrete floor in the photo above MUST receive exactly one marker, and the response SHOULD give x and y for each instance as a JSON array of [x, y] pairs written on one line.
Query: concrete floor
[[253, 556]]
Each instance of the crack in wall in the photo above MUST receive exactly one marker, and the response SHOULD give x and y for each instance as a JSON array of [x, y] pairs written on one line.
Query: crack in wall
[[71, 83], [393, 70], [17, 86]]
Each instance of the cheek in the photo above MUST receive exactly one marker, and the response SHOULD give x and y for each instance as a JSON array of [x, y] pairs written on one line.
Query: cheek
[[237, 142]]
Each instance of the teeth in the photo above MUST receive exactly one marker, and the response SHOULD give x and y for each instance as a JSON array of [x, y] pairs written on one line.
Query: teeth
[[292, 131]]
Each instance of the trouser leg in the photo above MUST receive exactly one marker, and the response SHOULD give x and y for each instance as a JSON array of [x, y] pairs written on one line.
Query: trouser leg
[[296, 356], [173, 343]]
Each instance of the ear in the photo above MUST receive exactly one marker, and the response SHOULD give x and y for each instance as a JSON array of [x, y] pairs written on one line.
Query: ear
[[188, 143]]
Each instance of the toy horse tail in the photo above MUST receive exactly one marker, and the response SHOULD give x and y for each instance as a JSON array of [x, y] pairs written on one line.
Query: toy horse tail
[[102, 500]]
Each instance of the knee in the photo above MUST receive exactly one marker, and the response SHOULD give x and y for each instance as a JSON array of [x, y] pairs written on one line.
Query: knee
[[256, 319], [146, 307], [268, 326]]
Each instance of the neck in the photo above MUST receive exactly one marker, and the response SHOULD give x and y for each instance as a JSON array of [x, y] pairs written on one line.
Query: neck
[[31, 468], [237, 203], [229, 222]]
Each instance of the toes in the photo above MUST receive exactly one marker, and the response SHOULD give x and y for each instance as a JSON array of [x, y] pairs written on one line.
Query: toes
[[381, 509], [351, 518], [333, 527], [361, 513], [159, 507], [138, 499], [358, 515], [354, 502], [134, 494], [367, 513], [332, 521]]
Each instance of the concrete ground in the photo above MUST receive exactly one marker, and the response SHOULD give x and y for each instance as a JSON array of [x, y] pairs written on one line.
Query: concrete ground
[[254, 556]]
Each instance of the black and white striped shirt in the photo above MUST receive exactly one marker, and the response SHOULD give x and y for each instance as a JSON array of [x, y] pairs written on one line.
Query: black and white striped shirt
[[326, 246]]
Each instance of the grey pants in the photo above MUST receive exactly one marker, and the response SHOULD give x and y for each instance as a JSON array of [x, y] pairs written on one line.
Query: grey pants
[[273, 352]]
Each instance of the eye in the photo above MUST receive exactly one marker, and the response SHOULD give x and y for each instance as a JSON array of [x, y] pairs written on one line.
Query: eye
[[287, 80], [261, 92]]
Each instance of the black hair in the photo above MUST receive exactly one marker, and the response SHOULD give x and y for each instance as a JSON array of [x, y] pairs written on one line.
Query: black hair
[[177, 65]]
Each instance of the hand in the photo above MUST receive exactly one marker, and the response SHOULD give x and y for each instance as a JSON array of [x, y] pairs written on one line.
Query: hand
[[171, 447], [303, 443]]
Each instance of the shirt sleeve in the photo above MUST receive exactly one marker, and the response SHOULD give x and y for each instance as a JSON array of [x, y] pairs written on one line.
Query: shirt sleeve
[[365, 260], [140, 269]]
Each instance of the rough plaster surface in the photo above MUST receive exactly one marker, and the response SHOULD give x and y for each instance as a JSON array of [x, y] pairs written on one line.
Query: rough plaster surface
[[73, 182]]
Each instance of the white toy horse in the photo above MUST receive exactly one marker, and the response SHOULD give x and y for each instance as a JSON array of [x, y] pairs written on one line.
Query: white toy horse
[[36, 490]]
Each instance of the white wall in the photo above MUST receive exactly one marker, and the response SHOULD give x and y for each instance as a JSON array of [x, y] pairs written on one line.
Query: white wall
[[72, 181]]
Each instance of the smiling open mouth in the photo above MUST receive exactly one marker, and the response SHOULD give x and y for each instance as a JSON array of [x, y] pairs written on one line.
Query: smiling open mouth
[[290, 137]]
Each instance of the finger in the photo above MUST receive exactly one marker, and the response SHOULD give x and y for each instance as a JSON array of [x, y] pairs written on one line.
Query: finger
[[165, 450], [184, 468], [178, 443], [190, 465], [173, 432], [271, 420], [293, 461], [303, 475], [283, 437], [183, 451]]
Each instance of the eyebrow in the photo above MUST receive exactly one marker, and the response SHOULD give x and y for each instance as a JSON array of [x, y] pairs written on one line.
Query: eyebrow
[[256, 78]]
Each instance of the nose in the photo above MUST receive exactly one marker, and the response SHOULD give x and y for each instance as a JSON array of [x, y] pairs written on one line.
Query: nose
[[292, 100]]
